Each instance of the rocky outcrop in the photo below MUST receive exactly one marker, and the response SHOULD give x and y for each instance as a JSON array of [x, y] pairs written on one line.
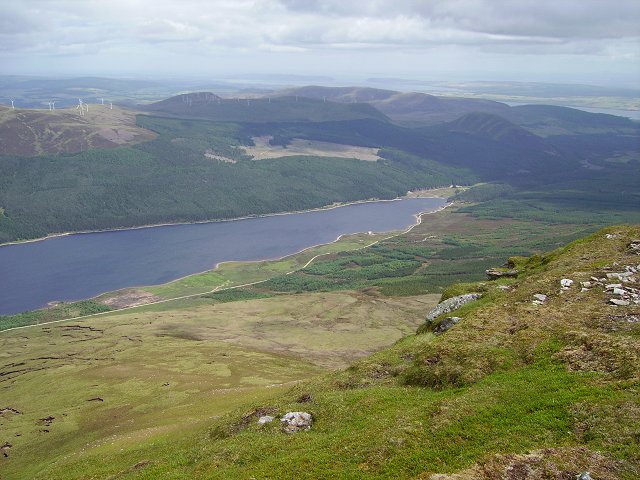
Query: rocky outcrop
[[293, 422], [539, 298], [622, 287], [446, 324], [451, 304], [495, 273], [265, 419]]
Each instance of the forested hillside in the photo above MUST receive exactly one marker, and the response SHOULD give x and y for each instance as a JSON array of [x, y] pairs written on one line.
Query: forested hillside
[[196, 169]]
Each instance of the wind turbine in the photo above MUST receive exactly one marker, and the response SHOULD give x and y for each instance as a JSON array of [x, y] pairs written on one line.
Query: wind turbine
[[110, 105], [53, 105], [12, 105], [81, 107], [102, 100]]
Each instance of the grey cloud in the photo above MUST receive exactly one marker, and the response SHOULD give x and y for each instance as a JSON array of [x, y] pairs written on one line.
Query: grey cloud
[[554, 18]]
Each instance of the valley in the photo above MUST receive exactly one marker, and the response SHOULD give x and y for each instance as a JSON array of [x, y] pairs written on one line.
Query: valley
[[169, 380], [320, 240]]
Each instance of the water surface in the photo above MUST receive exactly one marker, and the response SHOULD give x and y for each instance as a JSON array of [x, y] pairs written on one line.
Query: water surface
[[84, 265]]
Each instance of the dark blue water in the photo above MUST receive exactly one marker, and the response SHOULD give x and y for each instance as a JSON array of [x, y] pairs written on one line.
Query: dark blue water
[[84, 265]]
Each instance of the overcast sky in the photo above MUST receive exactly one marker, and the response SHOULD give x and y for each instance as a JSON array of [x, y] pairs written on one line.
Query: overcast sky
[[586, 41]]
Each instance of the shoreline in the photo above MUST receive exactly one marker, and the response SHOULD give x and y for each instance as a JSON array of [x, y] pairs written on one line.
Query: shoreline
[[200, 222], [418, 217]]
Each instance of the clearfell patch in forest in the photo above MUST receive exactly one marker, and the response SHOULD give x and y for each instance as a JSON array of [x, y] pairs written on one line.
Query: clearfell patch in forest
[[263, 149]]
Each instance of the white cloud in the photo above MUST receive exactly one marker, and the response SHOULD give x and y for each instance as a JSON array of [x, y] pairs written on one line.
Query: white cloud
[[192, 29]]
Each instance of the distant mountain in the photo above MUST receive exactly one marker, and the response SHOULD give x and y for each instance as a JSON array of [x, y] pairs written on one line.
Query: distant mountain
[[421, 109], [206, 105], [405, 108]]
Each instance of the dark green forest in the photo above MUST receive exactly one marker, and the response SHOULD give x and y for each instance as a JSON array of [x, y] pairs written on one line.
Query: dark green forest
[[170, 180]]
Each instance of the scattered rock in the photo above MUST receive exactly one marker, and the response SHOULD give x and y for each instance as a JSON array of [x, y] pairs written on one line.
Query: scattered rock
[[539, 298], [618, 302], [293, 422], [503, 287], [611, 236], [634, 246], [6, 446], [495, 273], [451, 304], [265, 419], [584, 476], [249, 418], [622, 276], [446, 324], [566, 283]]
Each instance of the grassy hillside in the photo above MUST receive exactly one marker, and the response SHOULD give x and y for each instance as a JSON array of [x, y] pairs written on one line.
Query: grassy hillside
[[551, 389], [156, 376], [62, 131]]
